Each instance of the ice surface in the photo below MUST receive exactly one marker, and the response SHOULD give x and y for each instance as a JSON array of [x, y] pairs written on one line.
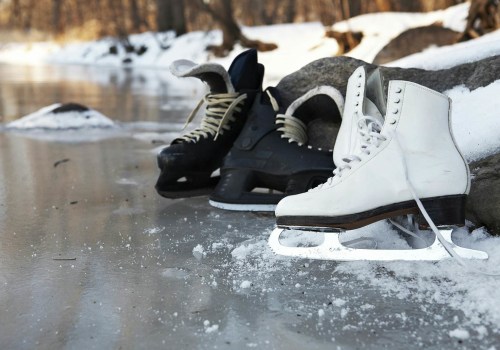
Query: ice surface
[[231, 259]]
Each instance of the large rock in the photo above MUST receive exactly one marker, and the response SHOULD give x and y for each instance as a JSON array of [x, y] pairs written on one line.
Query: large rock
[[335, 71], [416, 40], [484, 202]]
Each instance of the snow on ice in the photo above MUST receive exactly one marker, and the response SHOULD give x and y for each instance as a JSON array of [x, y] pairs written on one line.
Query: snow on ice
[[45, 118]]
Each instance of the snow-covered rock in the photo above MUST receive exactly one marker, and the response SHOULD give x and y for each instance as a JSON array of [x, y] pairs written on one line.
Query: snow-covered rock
[[62, 117]]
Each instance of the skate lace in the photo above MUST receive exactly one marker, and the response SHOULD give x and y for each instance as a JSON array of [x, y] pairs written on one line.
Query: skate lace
[[291, 128], [369, 129], [425, 214], [218, 115]]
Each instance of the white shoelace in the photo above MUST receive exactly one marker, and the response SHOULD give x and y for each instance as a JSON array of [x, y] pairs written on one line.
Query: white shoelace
[[369, 128], [292, 128], [218, 113]]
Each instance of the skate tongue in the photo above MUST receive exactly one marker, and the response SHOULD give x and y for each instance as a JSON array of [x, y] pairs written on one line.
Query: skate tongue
[[245, 72], [372, 110], [213, 74]]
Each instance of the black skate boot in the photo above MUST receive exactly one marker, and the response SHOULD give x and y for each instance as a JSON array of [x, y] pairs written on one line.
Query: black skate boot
[[188, 163], [272, 152]]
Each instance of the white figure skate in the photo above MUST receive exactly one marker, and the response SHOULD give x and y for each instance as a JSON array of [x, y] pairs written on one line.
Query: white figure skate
[[404, 163]]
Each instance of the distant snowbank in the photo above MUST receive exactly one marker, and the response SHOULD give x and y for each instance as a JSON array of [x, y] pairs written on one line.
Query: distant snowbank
[[298, 44]]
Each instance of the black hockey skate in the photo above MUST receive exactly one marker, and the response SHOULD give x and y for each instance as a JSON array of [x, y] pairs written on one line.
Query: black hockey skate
[[188, 163], [272, 152]]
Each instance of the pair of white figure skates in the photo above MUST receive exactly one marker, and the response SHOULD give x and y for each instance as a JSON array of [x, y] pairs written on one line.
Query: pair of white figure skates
[[395, 156]]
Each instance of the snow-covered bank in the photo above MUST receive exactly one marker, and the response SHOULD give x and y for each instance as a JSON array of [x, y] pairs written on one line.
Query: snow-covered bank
[[448, 56], [298, 44], [379, 28]]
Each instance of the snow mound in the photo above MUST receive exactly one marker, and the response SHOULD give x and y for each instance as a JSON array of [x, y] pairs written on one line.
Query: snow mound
[[50, 118], [449, 56], [475, 122], [380, 28]]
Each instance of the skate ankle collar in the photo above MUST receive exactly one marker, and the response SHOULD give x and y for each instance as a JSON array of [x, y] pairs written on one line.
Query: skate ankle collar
[[215, 75]]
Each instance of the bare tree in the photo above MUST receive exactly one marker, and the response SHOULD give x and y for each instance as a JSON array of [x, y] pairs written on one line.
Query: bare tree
[[57, 24], [483, 18], [222, 12], [170, 15]]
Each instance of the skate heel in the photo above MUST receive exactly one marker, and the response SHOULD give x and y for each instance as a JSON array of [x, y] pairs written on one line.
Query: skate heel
[[234, 192], [445, 211], [233, 183]]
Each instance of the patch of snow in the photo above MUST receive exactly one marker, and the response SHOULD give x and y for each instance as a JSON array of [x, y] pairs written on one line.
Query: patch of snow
[[452, 55], [380, 28], [475, 121], [245, 284], [445, 283], [44, 118], [199, 252], [459, 333]]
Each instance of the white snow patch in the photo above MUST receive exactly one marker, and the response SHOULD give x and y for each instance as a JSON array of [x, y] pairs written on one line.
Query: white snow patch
[[459, 334], [212, 328], [199, 252], [448, 56], [245, 284], [45, 119], [475, 120], [380, 28], [154, 230], [338, 302], [446, 283]]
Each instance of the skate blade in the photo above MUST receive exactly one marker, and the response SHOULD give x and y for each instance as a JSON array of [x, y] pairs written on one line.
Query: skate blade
[[332, 249], [243, 207]]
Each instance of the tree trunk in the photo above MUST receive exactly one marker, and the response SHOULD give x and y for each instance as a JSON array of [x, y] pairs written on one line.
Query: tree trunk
[[222, 12], [163, 15], [15, 14], [483, 18], [170, 15], [135, 16], [179, 16], [57, 27], [290, 11]]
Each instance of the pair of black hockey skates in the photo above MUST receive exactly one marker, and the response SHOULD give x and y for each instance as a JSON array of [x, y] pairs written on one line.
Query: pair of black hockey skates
[[249, 151]]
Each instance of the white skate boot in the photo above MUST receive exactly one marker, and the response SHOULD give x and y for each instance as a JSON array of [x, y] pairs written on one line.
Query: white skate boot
[[405, 163]]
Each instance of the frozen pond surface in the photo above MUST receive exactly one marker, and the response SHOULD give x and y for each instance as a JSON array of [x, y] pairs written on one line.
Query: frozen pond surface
[[92, 257]]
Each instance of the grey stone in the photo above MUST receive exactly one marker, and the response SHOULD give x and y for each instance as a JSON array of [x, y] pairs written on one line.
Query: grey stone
[[484, 202], [415, 40], [335, 71]]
